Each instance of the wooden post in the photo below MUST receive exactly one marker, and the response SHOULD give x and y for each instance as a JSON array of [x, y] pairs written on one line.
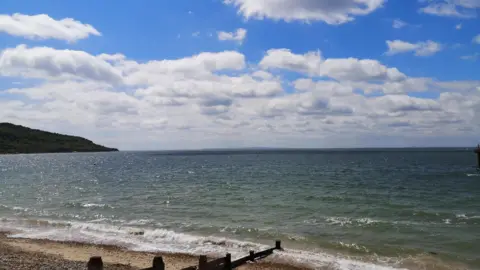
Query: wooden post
[[478, 157], [278, 245], [202, 262], [95, 263], [252, 255], [228, 262], [158, 263]]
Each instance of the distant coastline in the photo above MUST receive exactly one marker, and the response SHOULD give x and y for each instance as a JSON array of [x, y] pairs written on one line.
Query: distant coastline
[[16, 139], [265, 150]]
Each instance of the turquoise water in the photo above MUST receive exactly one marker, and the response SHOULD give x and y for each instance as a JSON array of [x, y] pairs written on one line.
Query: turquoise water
[[377, 209]]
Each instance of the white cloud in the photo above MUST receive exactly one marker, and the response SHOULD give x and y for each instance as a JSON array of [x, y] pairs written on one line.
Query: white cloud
[[451, 8], [213, 87], [304, 104], [458, 26], [261, 74], [404, 103], [329, 11], [238, 36], [45, 62], [213, 100], [43, 26], [112, 57], [196, 34], [472, 57], [92, 97], [308, 63], [397, 24], [312, 63], [458, 86], [426, 48], [476, 39], [197, 66], [395, 87], [352, 69], [323, 88]]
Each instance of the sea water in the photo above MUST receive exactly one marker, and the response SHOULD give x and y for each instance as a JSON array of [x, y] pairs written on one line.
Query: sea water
[[337, 209]]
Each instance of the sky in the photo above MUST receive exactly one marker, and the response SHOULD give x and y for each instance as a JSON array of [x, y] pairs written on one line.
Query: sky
[[194, 74]]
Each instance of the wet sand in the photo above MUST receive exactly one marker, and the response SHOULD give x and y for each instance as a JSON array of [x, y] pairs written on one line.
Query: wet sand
[[28, 254]]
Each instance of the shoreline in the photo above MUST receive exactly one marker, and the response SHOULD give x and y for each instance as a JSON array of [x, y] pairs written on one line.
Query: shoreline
[[24, 253]]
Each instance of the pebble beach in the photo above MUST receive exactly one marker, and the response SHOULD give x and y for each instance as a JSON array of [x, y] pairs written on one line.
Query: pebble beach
[[29, 254]]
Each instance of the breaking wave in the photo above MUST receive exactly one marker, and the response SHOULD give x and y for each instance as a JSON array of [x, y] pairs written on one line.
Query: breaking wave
[[163, 240]]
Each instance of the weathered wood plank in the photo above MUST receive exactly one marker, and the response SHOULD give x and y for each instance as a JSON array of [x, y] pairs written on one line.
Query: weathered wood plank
[[190, 268], [95, 263], [228, 262], [241, 261], [202, 263], [158, 263], [264, 253], [215, 263]]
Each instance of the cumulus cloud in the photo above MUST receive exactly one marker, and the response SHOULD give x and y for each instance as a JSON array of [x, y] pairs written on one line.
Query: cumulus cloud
[[451, 8], [45, 62], [312, 63], [328, 11], [212, 100], [308, 63], [95, 98], [404, 103], [426, 48], [323, 88], [200, 65], [43, 26], [238, 36], [213, 88], [304, 104], [261, 74], [352, 69]]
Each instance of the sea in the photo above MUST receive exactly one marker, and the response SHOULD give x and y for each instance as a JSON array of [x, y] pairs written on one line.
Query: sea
[[332, 209]]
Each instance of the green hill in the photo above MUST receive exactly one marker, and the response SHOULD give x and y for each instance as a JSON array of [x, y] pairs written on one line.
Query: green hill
[[19, 139]]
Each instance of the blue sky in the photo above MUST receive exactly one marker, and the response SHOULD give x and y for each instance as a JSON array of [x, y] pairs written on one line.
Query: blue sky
[[433, 49]]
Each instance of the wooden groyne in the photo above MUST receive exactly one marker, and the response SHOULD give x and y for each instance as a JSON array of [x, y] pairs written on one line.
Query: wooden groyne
[[477, 151], [224, 263]]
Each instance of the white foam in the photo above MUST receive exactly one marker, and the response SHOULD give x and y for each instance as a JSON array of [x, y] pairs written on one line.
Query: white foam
[[15, 208], [89, 205], [344, 221], [94, 205], [163, 240], [464, 216], [354, 246], [138, 222]]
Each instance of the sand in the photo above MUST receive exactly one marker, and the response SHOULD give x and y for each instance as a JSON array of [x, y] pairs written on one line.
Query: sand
[[30, 254]]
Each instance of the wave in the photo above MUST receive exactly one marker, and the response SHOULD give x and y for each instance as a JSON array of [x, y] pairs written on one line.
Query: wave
[[353, 246], [465, 216], [429, 219], [15, 208], [164, 240], [88, 205], [347, 221]]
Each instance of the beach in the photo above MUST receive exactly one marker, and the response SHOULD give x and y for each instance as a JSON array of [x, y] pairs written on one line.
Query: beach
[[28, 254]]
